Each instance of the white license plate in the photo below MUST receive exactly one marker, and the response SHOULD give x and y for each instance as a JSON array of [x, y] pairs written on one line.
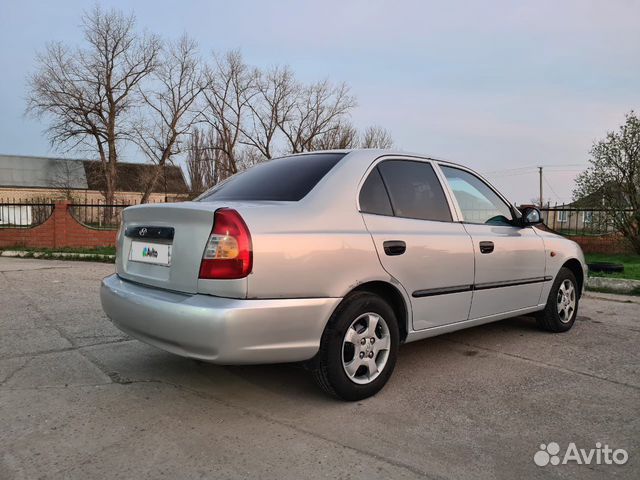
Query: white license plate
[[148, 252]]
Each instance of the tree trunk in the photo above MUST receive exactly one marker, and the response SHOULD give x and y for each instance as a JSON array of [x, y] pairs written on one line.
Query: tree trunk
[[634, 240], [110, 183], [151, 184]]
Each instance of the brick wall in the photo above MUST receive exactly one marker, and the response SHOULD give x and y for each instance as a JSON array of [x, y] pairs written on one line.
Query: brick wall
[[613, 244], [60, 230]]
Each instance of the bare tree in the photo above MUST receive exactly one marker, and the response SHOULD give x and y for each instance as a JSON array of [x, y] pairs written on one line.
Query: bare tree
[[270, 105], [230, 86], [196, 164], [172, 112], [248, 157], [342, 135], [203, 160], [376, 137], [87, 94], [318, 109]]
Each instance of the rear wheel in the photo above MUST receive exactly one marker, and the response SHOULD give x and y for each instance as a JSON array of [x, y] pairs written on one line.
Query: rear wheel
[[358, 348], [561, 310]]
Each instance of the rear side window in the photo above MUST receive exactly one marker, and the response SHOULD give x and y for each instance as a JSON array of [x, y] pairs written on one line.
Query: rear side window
[[373, 196], [415, 190], [282, 179]]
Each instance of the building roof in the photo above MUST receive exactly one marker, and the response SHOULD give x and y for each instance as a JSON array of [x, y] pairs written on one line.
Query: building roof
[[40, 172], [17, 171]]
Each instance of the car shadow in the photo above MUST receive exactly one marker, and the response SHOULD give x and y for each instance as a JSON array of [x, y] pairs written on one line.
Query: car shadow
[[295, 381]]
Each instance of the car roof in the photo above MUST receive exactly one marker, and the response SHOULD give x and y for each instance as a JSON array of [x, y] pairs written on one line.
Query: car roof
[[378, 152]]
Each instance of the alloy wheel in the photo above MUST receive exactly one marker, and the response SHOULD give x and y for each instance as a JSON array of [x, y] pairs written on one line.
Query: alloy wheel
[[566, 301], [365, 348]]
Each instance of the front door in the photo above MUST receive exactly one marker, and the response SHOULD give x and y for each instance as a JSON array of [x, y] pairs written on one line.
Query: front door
[[509, 260], [406, 211]]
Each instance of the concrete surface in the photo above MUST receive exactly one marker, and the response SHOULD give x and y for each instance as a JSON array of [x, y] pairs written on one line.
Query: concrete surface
[[80, 400], [615, 285]]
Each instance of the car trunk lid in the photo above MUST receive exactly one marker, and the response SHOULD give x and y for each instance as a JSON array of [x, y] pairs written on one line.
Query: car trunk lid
[[161, 245]]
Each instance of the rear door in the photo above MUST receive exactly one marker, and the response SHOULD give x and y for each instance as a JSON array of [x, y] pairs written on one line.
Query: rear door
[[408, 215], [509, 260]]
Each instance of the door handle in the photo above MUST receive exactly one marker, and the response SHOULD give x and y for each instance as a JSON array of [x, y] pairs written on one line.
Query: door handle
[[486, 247], [394, 247]]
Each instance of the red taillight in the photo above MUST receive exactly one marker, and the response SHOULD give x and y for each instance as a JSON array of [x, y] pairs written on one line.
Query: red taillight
[[228, 253]]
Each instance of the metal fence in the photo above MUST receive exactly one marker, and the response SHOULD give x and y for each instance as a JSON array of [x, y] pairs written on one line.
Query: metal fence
[[28, 213], [20, 213], [570, 220], [101, 216], [593, 228]]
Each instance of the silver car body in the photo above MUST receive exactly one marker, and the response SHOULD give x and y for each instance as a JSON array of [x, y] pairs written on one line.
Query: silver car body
[[308, 255]]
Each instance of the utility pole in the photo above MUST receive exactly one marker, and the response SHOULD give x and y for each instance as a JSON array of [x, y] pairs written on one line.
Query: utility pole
[[541, 197]]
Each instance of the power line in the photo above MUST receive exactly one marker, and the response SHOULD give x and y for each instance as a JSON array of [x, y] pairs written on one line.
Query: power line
[[551, 188], [509, 170], [514, 174], [554, 165], [533, 168]]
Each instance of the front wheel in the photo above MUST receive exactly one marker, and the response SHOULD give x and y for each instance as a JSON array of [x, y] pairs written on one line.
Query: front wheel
[[358, 348], [561, 310]]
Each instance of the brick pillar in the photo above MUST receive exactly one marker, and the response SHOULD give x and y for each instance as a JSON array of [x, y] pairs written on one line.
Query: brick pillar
[[60, 218]]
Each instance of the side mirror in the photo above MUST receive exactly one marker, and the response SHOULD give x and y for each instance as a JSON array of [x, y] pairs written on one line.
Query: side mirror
[[531, 216]]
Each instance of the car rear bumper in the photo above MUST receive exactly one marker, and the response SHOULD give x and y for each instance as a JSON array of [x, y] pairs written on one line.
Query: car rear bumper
[[217, 329]]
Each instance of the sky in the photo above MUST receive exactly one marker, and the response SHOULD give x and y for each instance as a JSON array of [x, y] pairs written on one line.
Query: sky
[[500, 86]]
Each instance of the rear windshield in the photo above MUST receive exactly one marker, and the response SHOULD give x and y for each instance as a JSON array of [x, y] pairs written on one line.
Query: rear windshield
[[282, 179]]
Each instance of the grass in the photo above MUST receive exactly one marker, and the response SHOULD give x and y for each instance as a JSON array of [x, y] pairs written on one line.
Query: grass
[[631, 265], [96, 254], [89, 251]]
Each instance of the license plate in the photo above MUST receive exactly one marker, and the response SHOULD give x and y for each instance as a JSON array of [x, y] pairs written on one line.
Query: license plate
[[148, 252]]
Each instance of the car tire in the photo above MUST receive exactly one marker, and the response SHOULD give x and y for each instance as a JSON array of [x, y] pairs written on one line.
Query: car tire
[[362, 331], [561, 310]]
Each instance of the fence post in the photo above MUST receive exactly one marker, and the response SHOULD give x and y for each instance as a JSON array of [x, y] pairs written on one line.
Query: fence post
[[60, 216]]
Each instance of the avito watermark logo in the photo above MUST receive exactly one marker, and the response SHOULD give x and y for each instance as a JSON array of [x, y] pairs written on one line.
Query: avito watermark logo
[[549, 454], [149, 252]]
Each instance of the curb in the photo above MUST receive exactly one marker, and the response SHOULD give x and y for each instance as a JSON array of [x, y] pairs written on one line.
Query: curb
[[613, 285], [25, 254], [612, 297]]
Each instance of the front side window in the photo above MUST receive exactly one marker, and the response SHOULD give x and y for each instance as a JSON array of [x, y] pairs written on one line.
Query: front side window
[[282, 179], [414, 190], [478, 202]]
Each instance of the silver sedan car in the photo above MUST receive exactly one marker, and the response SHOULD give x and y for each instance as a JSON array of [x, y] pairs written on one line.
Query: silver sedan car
[[334, 259]]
